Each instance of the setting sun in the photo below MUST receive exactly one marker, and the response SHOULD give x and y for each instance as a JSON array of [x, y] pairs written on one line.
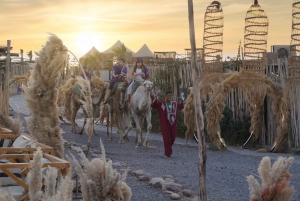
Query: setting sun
[[85, 41]]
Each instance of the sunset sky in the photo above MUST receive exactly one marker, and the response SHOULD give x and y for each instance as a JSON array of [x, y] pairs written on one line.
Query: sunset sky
[[161, 24]]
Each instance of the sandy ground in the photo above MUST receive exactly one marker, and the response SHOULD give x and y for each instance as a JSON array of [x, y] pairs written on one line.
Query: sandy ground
[[226, 171]]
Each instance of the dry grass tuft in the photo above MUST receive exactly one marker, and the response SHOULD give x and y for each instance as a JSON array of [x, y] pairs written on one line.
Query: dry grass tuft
[[99, 181], [55, 189]]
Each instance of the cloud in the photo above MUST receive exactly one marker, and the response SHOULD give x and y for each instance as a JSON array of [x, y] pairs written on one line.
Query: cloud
[[98, 19]]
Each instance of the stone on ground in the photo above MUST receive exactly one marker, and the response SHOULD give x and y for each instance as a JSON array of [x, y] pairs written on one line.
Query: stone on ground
[[188, 193], [157, 182], [175, 196]]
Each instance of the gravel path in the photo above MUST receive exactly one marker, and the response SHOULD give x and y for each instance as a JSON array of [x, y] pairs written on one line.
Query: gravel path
[[226, 171]]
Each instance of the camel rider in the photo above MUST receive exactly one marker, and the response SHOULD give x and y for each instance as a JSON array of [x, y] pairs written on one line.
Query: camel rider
[[139, 73], [88, 76], [119, 75]]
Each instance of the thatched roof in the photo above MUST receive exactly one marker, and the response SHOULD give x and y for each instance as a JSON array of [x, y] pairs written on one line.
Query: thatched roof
[[116, 45], [144, 52]]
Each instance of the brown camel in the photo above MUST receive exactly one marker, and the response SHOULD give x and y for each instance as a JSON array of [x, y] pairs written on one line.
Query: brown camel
[[73, 99], [121, 115]]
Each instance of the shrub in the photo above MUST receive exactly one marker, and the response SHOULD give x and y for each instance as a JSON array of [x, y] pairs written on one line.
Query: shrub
[[234, 131]]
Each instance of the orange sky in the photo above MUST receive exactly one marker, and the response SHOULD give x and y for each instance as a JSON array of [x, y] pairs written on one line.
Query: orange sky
[[161, 24]]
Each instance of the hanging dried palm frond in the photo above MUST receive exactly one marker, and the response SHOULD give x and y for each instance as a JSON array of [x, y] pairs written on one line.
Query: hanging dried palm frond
[[86, 94]]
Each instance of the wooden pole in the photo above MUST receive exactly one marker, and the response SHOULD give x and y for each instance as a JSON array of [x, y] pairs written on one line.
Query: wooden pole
[[22, 71], [7, 64], [198, 108], [5, 103]]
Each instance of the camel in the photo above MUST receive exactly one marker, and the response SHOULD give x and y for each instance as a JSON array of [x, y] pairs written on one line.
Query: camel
[[120, 115], [139, 107], [73, 99]]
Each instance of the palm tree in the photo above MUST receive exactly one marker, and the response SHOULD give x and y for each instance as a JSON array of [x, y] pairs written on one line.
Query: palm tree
[[119, 52], [198, 108], [29, 54], [93, 61]]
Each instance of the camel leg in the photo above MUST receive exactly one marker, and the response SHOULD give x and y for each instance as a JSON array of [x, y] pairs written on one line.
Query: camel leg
[[110, 115], [107, 123], [141, 121], [75, 108], [149, 127], [128, 124], [94, 132], [84, 122], [120, 124], [138, 141]]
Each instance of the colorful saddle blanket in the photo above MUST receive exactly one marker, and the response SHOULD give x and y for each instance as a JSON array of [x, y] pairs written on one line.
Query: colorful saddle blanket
[[76, 89]]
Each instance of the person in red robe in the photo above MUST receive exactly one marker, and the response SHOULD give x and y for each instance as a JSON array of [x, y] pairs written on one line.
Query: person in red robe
[[167, 112]]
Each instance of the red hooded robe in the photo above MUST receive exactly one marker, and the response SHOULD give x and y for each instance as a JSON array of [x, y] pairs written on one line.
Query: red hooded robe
[[167, 121]]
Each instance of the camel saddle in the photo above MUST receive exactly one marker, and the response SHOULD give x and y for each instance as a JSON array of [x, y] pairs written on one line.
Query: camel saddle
[[76, 89], [135, 85], [115, 87]]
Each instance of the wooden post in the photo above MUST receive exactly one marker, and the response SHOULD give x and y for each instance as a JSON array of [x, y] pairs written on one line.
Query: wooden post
[[5, 103], [198, 108], [21, 70], [7, 65]]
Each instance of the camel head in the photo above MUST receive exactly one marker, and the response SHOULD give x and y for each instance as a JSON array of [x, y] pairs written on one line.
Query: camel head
[[99, 93], [148, 85], [123, 86]]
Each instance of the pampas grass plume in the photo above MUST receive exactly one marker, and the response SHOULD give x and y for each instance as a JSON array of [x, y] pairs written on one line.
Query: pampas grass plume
[[275, 184], [35, 176], [99, 181]]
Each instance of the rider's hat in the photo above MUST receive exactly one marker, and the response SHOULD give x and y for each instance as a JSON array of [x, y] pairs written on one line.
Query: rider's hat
[[140, 59]]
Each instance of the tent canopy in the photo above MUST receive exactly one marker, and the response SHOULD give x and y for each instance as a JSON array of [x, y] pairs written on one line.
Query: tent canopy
[[92, 51], [144, 52], [116, 45]]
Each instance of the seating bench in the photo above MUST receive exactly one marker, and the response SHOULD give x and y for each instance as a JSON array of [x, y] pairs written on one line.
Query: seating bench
[[5, 131], [28, 145], [11, 165]]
